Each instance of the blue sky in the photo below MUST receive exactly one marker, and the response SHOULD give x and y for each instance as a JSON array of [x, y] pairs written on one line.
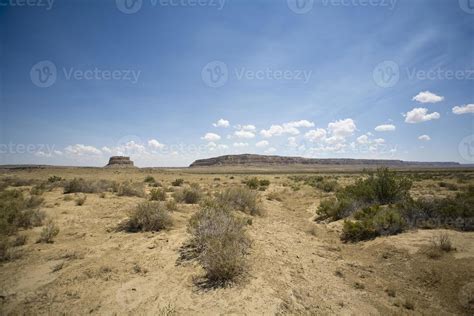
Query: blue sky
[[170, 81]]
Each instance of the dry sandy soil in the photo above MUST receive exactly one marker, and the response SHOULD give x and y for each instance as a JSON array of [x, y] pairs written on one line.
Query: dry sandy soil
[[295, 265]]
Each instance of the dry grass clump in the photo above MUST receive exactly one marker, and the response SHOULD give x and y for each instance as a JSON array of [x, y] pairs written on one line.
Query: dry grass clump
[[157, 195], [240, 199], [439, 245], [16, 211], [191, 195], [48, 233], [80, 199], [220, 242], [79, 185], [131, 189], [148, 216], [177, 182]]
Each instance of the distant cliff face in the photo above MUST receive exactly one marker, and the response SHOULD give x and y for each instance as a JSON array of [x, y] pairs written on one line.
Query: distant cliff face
[[120, 162], [263, 160]]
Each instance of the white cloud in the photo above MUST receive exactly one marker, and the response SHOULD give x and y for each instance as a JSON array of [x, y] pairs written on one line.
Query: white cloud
[[244, 134], [42, 154], [463, 109], [248, 127], [270, 150], [424, 138], [364, 139], [262, 144], [427, 97], [80, 150], [418, 115], [153, 143], [221, 123], [222, 146], [211, 145], [106, 149], [211, 137], [315, 135], [342, 128], [385, 128], [292, 142], [240, 144], [286, 128], [300, 123], [379, 140]]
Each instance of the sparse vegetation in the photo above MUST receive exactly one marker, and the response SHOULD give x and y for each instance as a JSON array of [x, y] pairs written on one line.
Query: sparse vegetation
[[177, 182], [239, 199], [48, 233], [157, 195], [80, 199], [16, 211], [79, 185], [220, 242], [149, 179], [131, 189], [148, 216], [191, 195]]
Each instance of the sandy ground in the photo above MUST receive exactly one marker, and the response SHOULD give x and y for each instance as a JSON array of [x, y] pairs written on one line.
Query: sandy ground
[[295, 265]]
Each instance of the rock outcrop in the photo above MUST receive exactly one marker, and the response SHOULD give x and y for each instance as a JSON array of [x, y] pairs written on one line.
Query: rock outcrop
[[263, 160], [120, 162]]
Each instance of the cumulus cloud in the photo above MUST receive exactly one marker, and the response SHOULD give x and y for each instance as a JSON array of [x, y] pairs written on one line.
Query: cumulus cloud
[[211, 137], [427, 97], [363, 139], [286, 128], [424, 138], [81, 150], [418, 115], [379, 140], [153, 143], [292, 142], [385, 128], [262, 144], [248, 127], [222, 146], [270, 150], [221, 123], [106, 150], [244, 134], [463, 109], [240, 145], [342, 128], [315, 135]]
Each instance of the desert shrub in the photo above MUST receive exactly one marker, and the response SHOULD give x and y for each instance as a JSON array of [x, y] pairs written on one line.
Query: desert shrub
[[239, 199], [53, 179], [442, 242], [373, 222], [38, 189], [149, 179], [327, 185], [17, 211], [5, 249], [19, 240], [148, 216], [157, 195], [252, 183], [191, 195], [177, 182], [381, 187], [79, 185], [131, 189], [274, 196], [80, 199], [171, 205], [264, 182], [220, 242], [48, 233]]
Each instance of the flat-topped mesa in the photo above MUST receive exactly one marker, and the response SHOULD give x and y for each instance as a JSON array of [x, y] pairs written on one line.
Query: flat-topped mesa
[[263, 160], [120, 162]]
